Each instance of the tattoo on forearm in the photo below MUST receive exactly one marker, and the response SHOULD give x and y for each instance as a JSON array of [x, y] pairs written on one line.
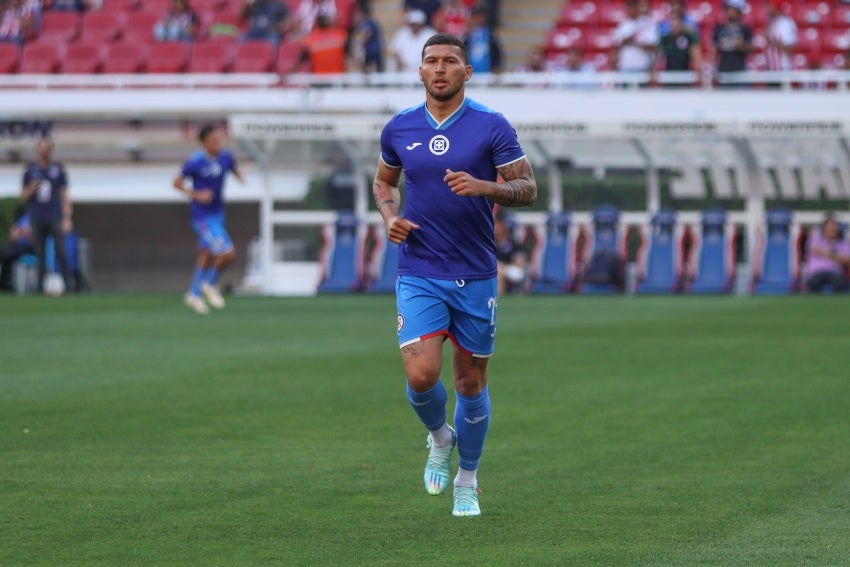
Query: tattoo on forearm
[[519, 188]]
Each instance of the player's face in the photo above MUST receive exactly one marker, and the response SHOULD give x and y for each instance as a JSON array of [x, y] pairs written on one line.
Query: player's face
[[214, 142], [443, 71]]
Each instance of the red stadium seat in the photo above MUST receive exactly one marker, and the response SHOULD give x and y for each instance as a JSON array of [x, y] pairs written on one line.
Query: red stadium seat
[[289, 57], [345, 13], [139, 27], [158, 7], [119, 6], [579, 13], [809, 40], [835, 40], [102, 27], [814, 14], [59, 26], [40, 58], [211, 57], [611, 13], [83, 58], [254, 57], [221, 24], [209, 5], [167, 57], [600, 40], [841, 16], [10, 55], [124, 58], [562, 39]]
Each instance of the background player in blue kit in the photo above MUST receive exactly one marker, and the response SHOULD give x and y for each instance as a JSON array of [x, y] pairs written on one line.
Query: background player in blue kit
[[207, 169], [452, 151]]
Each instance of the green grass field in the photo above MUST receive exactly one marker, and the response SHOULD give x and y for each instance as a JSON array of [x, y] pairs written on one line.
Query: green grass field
[[625, 431]]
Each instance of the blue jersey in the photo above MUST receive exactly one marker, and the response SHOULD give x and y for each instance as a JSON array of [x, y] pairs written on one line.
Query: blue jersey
[[208, 173], [455, 240], [46, 203]]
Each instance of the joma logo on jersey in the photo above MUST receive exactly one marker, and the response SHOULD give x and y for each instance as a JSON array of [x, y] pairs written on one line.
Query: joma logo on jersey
[[438, 145]]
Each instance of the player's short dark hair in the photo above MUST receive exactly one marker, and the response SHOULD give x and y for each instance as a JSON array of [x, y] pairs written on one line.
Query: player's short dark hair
[[205, 131], [447, 39]]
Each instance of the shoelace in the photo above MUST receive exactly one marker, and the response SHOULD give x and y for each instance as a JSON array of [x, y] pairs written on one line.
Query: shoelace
[[439, 455], [466, 495]]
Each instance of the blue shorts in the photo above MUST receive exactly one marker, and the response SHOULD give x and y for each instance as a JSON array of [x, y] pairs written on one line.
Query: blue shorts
[[212, 235], [464, 310]]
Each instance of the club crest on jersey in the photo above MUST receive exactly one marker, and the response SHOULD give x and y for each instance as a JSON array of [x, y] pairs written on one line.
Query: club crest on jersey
[[438, 145], [400, 322]]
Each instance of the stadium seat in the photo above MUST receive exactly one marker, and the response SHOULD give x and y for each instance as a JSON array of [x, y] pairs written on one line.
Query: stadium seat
[[158, 7], [139, 27], [40, 58], [605, 246], [383, 264], [599, 40], [841, 16], [167, 57], [814, 14], [553, 258], [659, 260], [82, 57], [10, 55], [119, 6], [211, 57], [341, 257], [775, 264], [59, 26], [560, 39], [102, 27], [836, 40], [345, 13], [578, 13], [712, 258], [254, 57], [124, 58], [611, 13], [289, 57], [221, 24], [209, 5], [809, 40]]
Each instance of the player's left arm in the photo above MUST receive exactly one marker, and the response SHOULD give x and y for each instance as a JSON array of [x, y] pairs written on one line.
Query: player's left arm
[[518, 188]]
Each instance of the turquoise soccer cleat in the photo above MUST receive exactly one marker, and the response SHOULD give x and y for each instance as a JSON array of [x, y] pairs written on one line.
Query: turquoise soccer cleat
[[466, 501], [437, 466]]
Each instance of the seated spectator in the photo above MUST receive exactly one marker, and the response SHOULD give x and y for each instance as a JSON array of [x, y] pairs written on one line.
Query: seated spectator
[[17, 22], [308, 12], [636, 39], [511, 259], [324, 47], [406, 46], [267, 20], [68, 5], [677, 8], [452, 18], [367, 42], [827, 258], [20, 243], [179, 24], [427, 7], [680, 47], [485, 51]]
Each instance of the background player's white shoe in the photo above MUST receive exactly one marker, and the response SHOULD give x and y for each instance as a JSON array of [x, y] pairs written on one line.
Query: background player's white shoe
[[196, 304], [212, 295]]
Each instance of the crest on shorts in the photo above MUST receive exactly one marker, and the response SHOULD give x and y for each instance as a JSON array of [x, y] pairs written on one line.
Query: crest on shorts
[[400, 322]]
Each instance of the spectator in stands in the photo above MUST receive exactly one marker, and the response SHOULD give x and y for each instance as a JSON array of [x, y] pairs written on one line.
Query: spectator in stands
[[324, 47], [180, 23], [827, 258], [781, 36], [367, 41], [485, 50], [427, 7], [307, 13], [732, 40], [636, 39], [17, 22], [340, 186], [678, 8], [68, 5], [406, 46], [267, 20], [511, 258], [680, 47], [20, 243], [452, 18], [44, 189]]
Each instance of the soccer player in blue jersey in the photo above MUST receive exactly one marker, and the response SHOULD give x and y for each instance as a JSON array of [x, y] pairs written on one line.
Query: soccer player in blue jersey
[[452, 151], [207, 169]]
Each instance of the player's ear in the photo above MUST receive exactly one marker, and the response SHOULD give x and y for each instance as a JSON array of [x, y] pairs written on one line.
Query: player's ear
[[467, 73]]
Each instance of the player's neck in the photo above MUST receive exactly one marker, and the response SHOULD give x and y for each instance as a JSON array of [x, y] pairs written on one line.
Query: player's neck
[[442, 109]]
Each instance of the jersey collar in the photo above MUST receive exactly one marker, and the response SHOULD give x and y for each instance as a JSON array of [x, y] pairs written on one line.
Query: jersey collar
[[451, 119]]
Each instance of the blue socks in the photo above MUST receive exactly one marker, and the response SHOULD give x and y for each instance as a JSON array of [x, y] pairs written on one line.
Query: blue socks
[[210, 275], [197, 278], [430, 405], [472, 419]]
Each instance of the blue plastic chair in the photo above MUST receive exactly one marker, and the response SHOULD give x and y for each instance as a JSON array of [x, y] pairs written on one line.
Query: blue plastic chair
[[553, 257]]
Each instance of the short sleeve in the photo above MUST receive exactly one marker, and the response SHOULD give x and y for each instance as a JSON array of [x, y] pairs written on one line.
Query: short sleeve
[[388, 153], [506, 148]]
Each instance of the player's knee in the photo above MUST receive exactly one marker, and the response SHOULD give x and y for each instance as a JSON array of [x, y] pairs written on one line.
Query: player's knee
[[421, 381]]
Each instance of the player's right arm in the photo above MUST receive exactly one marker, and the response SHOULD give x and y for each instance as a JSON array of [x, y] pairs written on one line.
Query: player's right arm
[[28, 187], [179, 183], [388, 199]]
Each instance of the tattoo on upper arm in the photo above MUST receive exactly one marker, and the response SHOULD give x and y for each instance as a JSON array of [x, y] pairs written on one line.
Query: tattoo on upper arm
[[519, 188]]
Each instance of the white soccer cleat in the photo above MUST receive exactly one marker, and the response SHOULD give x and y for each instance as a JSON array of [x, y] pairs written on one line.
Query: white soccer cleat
[[437, 466], [196, 304], [212, 295], [466, 501]]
